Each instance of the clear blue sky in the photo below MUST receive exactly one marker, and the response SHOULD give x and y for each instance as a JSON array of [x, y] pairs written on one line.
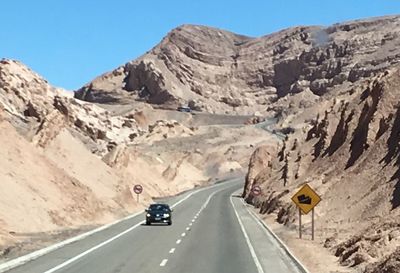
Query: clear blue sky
[[70, 42]]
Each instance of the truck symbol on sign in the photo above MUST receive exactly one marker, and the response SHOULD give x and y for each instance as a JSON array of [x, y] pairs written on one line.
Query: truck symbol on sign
[[304, 199]]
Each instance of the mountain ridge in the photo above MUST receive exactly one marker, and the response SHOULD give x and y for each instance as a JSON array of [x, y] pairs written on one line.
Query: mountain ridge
[[222, 72]]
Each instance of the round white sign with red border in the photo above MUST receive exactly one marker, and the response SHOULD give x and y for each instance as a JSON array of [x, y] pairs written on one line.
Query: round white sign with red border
[[256, 190], [138, 189]]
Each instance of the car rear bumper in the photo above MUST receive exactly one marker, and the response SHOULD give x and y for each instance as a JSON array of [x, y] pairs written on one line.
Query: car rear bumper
[[158, 219]]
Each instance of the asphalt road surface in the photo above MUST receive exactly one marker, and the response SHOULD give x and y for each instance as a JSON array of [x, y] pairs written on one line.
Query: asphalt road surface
[[212, 232]]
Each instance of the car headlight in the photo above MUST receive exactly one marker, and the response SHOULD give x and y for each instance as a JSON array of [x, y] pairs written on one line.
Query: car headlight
[[148, 215], [166, 214]]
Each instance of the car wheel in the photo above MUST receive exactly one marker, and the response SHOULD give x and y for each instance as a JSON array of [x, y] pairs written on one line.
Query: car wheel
[[169, 223], [148, 223]]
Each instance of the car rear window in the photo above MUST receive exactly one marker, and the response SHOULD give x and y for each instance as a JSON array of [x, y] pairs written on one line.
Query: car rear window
[[159, 207]]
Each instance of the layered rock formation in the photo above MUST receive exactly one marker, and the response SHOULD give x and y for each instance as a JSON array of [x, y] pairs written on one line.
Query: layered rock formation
[[39, 112], [349, 153], [218, 71]]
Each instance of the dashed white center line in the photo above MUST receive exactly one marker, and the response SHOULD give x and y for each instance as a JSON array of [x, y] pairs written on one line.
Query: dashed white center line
[[164, 262], [172, 250], [178, 241], [193, 220], [183, 234], [188, 228], [190, 224]]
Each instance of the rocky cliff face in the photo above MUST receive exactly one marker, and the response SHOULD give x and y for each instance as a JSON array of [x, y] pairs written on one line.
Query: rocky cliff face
[[349, 152], [40, 111], [218, 71]]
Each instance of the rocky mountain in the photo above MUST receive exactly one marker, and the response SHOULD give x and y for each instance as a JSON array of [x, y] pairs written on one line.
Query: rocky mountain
[[52, 172], [333, 91], [218, 71], [349, 153], [40, 111], [68, 165]]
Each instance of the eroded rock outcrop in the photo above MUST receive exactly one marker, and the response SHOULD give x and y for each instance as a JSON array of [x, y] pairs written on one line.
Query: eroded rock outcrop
[[40, 112], [349, 152], [226, 72], [259, 161]]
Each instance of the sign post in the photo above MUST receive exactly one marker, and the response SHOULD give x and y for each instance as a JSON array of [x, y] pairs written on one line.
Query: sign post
[[300, 223], [306, 199], [312, 224], [138, 189]]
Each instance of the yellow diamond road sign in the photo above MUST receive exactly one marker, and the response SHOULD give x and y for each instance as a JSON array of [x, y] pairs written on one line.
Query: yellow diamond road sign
[[306, 199]]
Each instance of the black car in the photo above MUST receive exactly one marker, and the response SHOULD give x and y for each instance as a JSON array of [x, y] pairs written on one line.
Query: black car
[[158, 213]]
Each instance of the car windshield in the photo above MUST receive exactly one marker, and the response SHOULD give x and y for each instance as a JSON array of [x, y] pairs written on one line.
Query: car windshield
[[159, 207]]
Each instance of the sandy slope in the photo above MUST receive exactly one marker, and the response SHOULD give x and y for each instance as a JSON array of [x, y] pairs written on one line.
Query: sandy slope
[[68, 165], [64, 186], [55, 183], [37, 195]]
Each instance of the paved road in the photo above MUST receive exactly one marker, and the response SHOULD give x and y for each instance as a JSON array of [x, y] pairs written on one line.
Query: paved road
[[212, 231]]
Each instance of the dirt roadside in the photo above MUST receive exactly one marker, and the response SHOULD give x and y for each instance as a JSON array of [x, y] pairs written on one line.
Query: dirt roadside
[[311, 254]]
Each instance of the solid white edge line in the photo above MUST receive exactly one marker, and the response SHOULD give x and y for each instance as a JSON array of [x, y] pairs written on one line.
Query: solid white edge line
[[164, 262], [251, 248], [41, 252], [269, 232], [67, 262], [117, 236], [178, 241], [172, 250], [38, 253]]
